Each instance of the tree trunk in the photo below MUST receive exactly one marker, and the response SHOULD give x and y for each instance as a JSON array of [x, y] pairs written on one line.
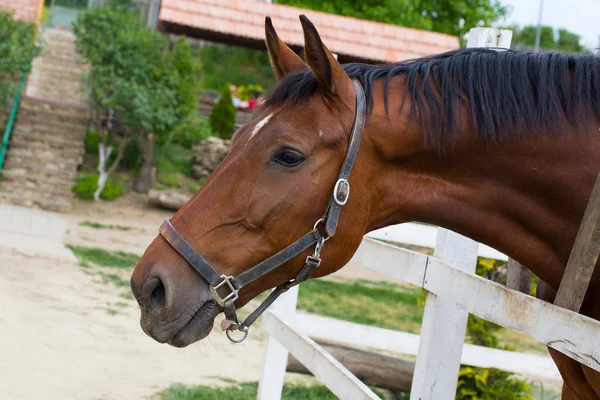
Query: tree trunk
[[104, 153], [145, 179], [372, 368]]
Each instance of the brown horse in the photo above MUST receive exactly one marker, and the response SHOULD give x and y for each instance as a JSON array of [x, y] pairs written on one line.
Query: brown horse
[[500, 146]]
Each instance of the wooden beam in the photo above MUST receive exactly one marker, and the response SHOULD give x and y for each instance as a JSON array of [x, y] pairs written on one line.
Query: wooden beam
[[572, 334], [444, 325], [320, 363], [372, 368], [518, 277], [392, 342], [270, 385], [584, 256]]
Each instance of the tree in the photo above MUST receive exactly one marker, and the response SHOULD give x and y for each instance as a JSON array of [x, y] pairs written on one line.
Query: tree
[[17, 49], [222, 116], [454, 17], [549, 39], [569, 41], [137, 75]]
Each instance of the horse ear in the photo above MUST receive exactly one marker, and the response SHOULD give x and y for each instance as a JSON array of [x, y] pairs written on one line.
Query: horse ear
[[332, 78], [283, 59]]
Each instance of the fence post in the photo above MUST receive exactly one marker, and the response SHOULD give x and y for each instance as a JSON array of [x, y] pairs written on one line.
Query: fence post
[[444, 326], [276, 356]]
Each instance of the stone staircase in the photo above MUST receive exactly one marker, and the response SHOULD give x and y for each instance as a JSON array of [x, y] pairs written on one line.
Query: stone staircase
[[46, 145]]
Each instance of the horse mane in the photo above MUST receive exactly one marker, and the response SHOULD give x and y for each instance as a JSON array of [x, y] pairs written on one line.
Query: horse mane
[[503, 93]]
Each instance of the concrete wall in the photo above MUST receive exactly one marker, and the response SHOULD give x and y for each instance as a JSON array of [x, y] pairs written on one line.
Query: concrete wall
[[24, 9]]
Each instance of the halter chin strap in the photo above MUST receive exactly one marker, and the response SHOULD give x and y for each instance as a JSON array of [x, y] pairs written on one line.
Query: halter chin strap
[[225, 289]]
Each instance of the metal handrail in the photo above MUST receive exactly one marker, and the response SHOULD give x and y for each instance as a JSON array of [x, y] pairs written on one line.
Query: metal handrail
[[11, 121]]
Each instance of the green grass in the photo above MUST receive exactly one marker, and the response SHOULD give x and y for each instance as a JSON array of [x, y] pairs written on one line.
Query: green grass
[[377, 304], [98, 225], [243, 391], [170, 179], [105, 258], [113, 279]]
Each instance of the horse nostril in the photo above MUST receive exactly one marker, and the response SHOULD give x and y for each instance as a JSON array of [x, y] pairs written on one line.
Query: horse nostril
[[154, 293], [158, 296]]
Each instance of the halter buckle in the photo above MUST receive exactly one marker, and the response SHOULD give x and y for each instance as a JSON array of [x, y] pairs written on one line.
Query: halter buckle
[[341, 192], [225, 280]]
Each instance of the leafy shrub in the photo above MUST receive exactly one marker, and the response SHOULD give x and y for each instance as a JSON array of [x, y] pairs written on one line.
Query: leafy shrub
[[490, 384], [222, 116], [91, 141], [246, 92], [17, 49], [228, 64], [481, 332], [132, 156], [170, 179], [176, 158], [88, 183], [192, 130]]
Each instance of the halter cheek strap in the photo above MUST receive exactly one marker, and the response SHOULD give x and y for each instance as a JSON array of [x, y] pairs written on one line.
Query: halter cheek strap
[[225, 289]]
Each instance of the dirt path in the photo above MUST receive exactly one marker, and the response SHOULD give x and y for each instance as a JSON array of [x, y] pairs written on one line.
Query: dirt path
[[59, 341]]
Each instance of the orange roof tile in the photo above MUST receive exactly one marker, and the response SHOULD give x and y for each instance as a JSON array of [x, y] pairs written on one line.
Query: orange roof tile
[[343, 35]]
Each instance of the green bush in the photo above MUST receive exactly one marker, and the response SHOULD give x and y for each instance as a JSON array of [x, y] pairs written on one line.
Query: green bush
[[17, 49], [192, 130], [246, 92], [222, 116], [490, 384], [170, 179], [228, 64], [132, 156], [91, 141], [176, 158], [88, 183]]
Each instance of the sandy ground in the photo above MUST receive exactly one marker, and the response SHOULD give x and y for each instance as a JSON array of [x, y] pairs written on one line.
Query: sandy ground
[[59, 341]]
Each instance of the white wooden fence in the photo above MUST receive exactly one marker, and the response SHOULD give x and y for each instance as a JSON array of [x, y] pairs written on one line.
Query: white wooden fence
[[453, 291]]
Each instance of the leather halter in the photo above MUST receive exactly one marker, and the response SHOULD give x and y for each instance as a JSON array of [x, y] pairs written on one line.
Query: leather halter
[[219, 283]]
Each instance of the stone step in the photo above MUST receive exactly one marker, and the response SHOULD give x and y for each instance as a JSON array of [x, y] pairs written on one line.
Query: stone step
[[49, 183], [49, 83], [51, 121], [63, 56], [56, 204], [65, 151], [20, 136], [55, 108], [24, 167], [45, 73], [46, 156], [74, 118], [58, 36], [35, 191], [50, 63], [54, 92], [57, 162], [76, 135]]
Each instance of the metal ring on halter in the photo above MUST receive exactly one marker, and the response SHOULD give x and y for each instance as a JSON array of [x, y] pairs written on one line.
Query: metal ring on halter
[[320, 221], [242, 328]]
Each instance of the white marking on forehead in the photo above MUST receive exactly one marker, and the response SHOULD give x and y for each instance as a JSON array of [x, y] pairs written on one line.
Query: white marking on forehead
[[261, 125], [320, 132]]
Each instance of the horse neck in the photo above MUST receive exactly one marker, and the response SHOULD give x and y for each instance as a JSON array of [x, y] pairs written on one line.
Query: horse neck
[[524, 197]]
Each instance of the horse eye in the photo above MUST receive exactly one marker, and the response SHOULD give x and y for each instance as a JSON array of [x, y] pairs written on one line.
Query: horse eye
[[289, 158]]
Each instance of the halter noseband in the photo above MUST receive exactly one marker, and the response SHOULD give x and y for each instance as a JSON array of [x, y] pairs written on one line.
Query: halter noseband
[[219, 283]]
